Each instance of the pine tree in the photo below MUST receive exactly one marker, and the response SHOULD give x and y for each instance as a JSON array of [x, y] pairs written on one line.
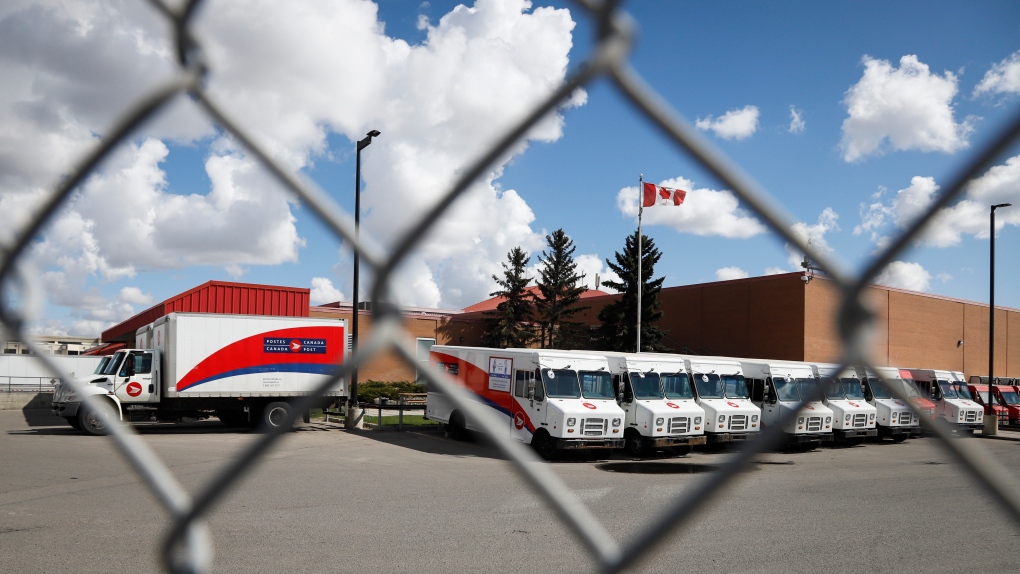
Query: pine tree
[[618, 320], [510, 324], [558, 285]]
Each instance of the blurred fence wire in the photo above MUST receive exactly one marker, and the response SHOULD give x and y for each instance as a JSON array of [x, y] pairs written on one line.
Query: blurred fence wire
[[187, 546]]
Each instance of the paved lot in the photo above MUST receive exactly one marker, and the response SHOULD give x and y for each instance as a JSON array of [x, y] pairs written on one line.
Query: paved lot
[[331, 500]]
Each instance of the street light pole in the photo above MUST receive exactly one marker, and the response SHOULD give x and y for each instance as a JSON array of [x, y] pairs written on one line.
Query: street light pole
[[991, 421], [351, 420]]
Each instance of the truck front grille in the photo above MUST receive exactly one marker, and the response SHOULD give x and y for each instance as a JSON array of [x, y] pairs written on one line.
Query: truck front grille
[[860, 420], [814, 424], [972, 416], [738, 422], [679, 425], [593, 427]]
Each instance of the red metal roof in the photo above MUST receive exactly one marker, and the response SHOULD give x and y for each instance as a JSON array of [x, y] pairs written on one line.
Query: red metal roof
[[220, 297], [490, 304]]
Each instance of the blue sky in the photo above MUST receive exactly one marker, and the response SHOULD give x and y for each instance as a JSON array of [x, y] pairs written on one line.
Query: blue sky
[[891, 98]]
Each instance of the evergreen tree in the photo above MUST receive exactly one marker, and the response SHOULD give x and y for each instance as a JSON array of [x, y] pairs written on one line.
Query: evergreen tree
[[510, 324], [618, 320], [558, 285]]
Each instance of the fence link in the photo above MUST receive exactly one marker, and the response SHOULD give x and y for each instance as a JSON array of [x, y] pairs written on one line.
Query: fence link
[[187, 546]]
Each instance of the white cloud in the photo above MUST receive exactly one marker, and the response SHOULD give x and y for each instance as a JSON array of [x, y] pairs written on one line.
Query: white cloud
[[969, 216], [705, 212], [797, 123], [323, 291], [135, 296], [775, 270], [437, 104], [904, 275], [1002, 78], [592, 266], [909, 107], [733, 125], [814, 235], [728, 273]]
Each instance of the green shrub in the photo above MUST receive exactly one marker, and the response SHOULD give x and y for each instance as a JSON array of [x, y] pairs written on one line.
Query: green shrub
[[371, 390]]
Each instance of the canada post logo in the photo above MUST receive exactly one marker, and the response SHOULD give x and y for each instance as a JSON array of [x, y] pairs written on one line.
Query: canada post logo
[[280, 345]]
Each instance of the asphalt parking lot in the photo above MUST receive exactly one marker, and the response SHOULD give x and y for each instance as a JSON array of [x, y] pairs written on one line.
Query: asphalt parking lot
[[384, 501]]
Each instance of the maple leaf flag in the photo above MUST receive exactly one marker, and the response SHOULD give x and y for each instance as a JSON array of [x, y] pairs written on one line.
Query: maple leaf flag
[[651, 190]]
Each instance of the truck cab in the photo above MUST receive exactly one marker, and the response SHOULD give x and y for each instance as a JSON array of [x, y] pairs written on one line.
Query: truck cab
[[978, 387], [854, 420], [720, 389], [895, 419], [779, 387], [1009, 397], [658, 399], [943, 388], [553, 400], [119, 384]]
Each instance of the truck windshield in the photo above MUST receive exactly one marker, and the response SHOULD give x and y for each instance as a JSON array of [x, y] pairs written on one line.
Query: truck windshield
[[113, 365], [597, 385], [646, 385], [833, 388], [852, 388], [736, 387], [786, 389], [808, 389], [963, 392], [102, 365], [948, 391], [561, 384], [909, 388], [878, 388], [1010, 397], [709, 385], [677, 386]]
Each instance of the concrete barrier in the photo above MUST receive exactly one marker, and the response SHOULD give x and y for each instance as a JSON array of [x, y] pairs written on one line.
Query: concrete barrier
[[21, 401]]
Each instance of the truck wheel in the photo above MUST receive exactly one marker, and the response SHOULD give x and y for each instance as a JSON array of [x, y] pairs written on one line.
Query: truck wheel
[[275, 415], [635, 444], [91, 421], [73, 421], [456, 428], [544, 445]]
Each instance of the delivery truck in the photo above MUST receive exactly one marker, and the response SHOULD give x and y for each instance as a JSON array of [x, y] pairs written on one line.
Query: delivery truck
[[854, 420], [245, 369], [658, 401], [553, 400], [895, 419], [978, 388], [780, 387], [720, 389], [941, 387]]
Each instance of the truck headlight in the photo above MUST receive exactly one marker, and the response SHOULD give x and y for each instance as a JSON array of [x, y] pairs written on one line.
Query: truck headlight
[[800, 420], [754, 418], [616, 422], [722, 418], [848, 419], [894, 417], [571, 421], [659, 421], [828, 420], [697, 420], [871, 417]]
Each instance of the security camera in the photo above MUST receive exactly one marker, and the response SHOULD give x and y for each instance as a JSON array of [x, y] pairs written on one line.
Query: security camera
[[805, 278]]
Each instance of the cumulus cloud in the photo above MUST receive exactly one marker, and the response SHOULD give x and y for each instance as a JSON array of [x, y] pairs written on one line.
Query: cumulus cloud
[[323, 291], [728, 273], [705, 212], [969, 216], [905, 275], [69, 71], [1002, 78], [904, 108], [797, 123], [733, 125], [814, 235]]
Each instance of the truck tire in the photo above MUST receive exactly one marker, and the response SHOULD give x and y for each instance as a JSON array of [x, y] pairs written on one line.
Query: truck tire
[[635, 443], [544, 445], [91, 421], [274, 415], [456, 428], [73, 421]]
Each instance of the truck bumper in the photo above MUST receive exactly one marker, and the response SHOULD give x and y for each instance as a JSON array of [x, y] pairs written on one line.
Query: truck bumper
[[576, 444], [813, 438], [717, 437], [65, 410], [668, 441], [856, 433]]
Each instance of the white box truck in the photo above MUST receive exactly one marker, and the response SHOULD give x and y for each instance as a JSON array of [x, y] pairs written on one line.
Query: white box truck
[[778, 387], [943, 387], [552, 400], [244, 369], [658, 399], [854, 420], [895, 419], [721, 390]]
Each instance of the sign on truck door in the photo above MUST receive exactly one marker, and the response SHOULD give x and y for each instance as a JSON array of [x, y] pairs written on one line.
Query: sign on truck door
[[137, 381]]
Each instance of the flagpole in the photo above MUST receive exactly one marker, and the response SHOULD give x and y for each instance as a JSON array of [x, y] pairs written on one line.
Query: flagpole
[[640, 286]]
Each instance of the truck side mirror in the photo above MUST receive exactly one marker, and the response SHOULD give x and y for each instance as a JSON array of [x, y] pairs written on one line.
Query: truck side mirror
[[531, 390], [619, 391]]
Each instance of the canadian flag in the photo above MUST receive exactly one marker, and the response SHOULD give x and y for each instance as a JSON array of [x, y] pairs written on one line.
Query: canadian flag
[[651, 191]]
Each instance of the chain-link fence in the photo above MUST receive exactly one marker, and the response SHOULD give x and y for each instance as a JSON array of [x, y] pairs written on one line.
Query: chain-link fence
[[187, 547]]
